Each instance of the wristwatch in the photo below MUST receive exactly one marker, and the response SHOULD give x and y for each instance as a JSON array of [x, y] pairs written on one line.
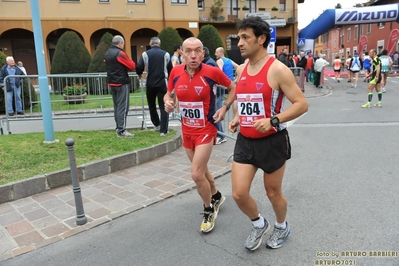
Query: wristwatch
[[274, 121], [227, 106]]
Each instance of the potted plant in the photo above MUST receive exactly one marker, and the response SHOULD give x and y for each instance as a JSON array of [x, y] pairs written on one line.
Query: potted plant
[[75, 93], [216, 8], [274, 8], [245, 8]]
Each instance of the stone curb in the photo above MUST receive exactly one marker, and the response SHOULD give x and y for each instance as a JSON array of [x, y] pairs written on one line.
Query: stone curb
[[42, 183]]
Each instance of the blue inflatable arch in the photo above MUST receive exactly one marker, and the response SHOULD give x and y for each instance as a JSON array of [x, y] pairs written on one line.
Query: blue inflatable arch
[[336, 17]]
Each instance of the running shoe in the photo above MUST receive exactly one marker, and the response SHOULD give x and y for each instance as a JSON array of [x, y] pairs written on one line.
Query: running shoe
[[208, 220], [217, 203], [278, 237], [125, 134], [366, 105], [378, 105], [220, 140], [255, 237]]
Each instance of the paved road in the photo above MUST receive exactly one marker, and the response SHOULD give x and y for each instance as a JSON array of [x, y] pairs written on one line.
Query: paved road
[[341, 184]]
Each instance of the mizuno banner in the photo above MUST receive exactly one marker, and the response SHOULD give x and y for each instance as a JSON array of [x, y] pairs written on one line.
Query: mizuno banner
[[374, 14]]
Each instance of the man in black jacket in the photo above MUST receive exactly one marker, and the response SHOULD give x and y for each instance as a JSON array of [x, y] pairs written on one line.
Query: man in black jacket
[[118, 66], [158, 65], [13, 85], [302, 61]]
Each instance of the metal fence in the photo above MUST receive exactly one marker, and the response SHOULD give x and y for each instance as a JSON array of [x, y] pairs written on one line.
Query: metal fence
[[96, 102]]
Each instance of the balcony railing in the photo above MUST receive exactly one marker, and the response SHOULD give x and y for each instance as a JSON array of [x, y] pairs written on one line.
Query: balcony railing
[[230, 14]]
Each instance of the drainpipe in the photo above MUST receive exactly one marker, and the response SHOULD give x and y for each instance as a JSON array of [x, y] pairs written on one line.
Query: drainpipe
[[163, 14]]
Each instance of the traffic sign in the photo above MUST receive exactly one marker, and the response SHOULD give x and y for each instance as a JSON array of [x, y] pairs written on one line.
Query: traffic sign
[[301, 42], [273, 34]]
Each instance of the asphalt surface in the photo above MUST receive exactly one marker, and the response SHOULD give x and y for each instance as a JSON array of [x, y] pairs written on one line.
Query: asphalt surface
[[342, 190]]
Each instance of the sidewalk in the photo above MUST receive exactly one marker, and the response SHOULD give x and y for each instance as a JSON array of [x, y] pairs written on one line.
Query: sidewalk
[[39, 220]]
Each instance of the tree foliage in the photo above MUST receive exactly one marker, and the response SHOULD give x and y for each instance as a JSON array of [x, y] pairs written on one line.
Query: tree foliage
[[210, 38], [70, 55], [169, 37], [97, 63], [2, 59]]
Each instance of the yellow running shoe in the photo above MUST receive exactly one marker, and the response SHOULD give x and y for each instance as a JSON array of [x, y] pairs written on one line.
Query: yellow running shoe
[[217, 203], [208, 221], [366, 105], [378, 105]]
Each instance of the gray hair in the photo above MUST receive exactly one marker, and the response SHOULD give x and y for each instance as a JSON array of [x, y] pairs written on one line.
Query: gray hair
[[117, 40], [192, 39], [8, 58], [155, 41]]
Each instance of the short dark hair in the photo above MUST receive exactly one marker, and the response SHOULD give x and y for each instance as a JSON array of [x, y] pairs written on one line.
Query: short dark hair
[[176, 46], [258, 26], [206, 54], [384, 52]]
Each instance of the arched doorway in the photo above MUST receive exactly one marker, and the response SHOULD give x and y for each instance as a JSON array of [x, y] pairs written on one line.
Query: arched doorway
[[140, 40], [22, 48], [97, 35]]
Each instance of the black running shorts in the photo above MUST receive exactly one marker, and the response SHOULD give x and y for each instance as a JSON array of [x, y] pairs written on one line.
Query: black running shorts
[[268, 153]]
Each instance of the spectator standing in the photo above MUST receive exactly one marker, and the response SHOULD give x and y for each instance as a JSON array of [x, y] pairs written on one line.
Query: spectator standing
[[318, 68], [227, 66], [291, 61], [309, 67], [118, 65], [193, 84], [208, 60], [12, 86], [283, 56], [21, 66], [158, 65], [175, 58]]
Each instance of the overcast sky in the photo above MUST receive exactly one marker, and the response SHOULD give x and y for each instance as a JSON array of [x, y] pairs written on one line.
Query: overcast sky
[[312, 9]]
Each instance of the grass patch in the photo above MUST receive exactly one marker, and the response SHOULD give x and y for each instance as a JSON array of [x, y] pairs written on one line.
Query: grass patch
[[25, 155]]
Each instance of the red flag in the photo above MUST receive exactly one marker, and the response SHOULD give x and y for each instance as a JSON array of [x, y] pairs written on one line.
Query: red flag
[[393, 39], [362, 43]]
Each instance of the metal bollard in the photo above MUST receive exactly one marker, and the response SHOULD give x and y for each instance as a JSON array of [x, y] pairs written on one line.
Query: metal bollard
[[80, 214]]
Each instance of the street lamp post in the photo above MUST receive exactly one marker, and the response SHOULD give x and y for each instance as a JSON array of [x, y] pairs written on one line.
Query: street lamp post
[[41, 66]]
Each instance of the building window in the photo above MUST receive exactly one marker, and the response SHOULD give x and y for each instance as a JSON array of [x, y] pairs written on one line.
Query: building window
[[179, 1], [349, 35], [201, 4], [355, 34], [103, 1], [368, 28], [232, 9], [136, 1], [283, 5], [69, 0], [361, 30], [251, 4], [381, 25]]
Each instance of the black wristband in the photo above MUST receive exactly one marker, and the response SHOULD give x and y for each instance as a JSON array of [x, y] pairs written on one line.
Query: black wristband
[[227, 106]]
